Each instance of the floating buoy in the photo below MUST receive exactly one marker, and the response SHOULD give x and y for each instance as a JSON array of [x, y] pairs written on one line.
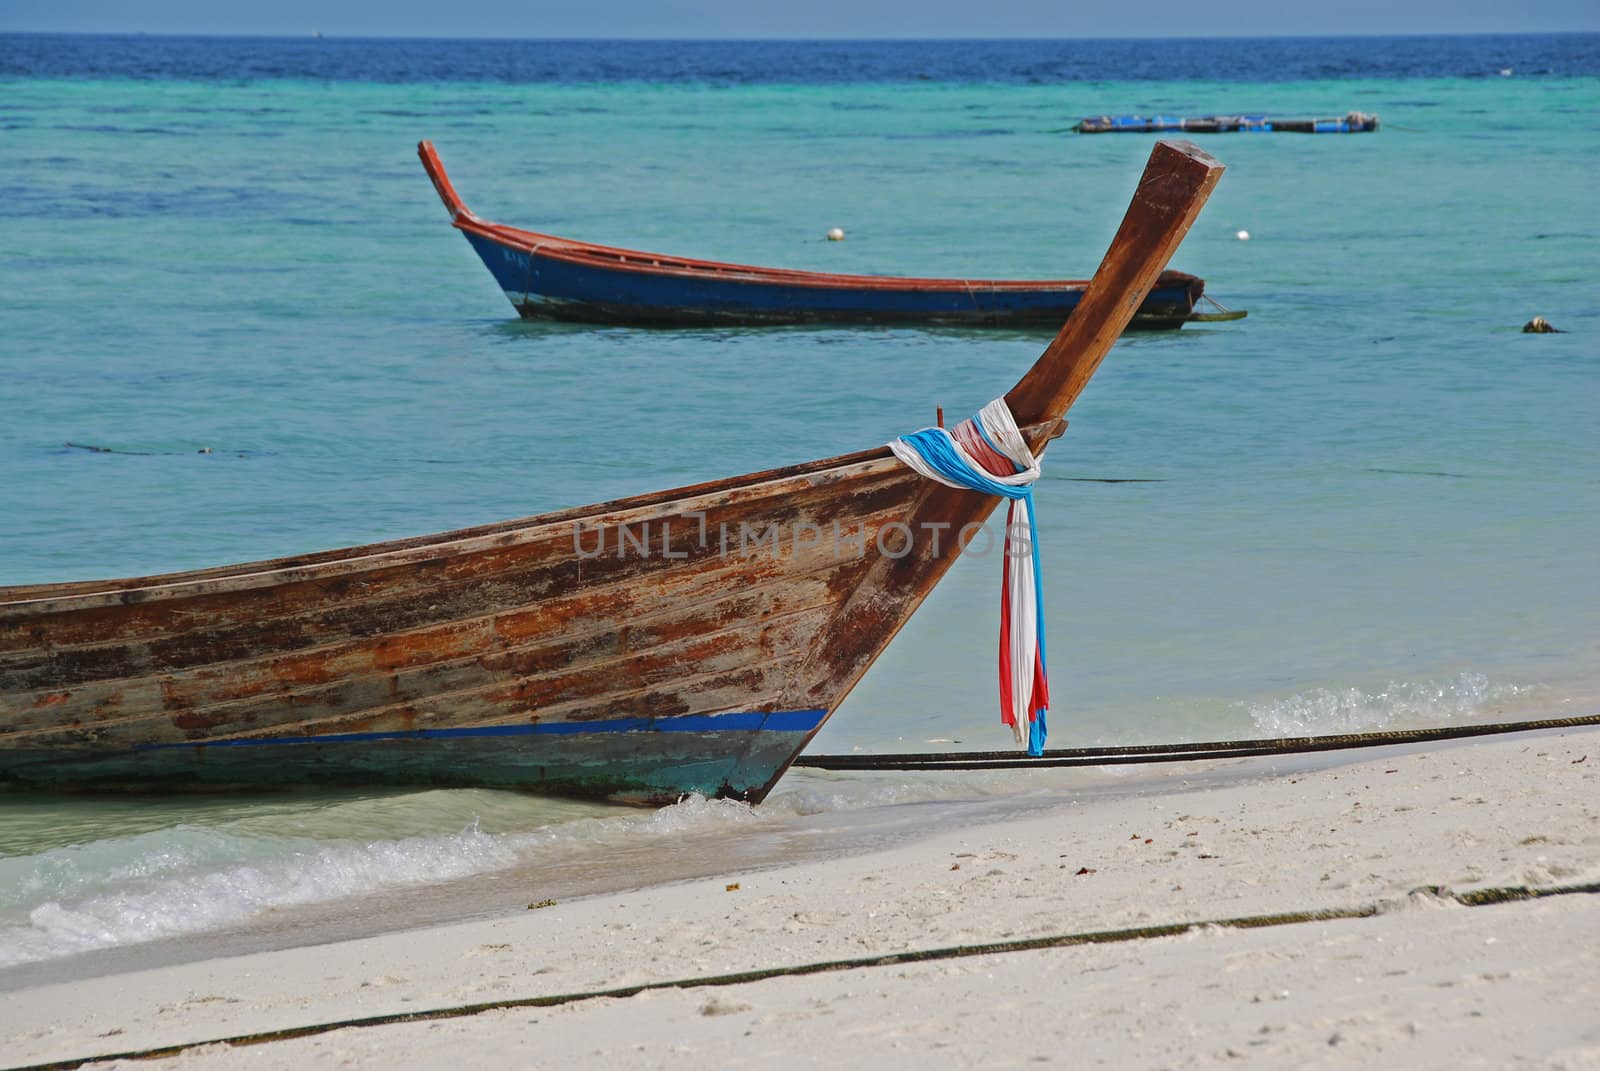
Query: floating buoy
[[1243, 236], [1540, 326], [836, 234]]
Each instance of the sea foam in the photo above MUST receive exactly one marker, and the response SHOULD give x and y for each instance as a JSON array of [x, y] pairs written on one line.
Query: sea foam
[[1397, 704]]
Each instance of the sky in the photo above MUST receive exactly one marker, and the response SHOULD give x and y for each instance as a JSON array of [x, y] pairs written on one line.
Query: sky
[[799, 18]]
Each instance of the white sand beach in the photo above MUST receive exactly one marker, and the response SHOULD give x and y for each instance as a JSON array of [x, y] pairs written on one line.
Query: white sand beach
[[1422, 982]]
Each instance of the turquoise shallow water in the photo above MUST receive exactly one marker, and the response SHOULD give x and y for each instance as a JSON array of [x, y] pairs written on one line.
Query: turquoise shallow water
[[1375, 500]]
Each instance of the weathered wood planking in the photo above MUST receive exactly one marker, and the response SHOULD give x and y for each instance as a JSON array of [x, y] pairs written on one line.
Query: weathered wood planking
[[683, 641]]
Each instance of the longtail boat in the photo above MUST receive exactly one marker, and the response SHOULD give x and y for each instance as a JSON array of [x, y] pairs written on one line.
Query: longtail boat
[[1350, 123], [551, 278], [687, 641]]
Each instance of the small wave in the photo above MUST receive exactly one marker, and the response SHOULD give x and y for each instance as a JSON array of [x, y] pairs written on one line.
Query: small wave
[[1348, 710], [171, 898], [188, 879]]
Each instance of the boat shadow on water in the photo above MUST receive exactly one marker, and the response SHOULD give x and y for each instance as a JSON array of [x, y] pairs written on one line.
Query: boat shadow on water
[[519, 330]]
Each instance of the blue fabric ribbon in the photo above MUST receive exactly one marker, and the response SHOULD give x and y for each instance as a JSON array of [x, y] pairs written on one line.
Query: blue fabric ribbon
[[937, 448]]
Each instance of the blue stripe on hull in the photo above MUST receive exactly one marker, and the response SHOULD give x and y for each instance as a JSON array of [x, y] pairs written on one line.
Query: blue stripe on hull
[[650, 760], [542, 287], [743, 721]]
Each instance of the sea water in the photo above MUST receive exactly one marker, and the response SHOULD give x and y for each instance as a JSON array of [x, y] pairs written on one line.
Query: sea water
[[235, 324]]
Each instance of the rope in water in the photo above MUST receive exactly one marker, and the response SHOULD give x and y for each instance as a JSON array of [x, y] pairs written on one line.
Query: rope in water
[[1193, 752], [1474, 898]]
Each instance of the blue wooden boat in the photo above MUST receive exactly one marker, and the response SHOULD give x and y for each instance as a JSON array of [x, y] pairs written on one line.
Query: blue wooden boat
[[1351, 123], [551, 278], [684, 641]]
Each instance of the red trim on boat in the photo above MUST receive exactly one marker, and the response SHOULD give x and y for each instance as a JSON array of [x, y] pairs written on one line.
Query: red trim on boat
[[614, 258]]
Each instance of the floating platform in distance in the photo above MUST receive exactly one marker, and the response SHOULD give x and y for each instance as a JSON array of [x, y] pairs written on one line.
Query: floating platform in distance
[[1353, 123]]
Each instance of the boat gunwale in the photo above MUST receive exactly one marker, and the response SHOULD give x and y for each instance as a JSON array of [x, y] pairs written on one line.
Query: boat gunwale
[[613, 258], [28, 599]]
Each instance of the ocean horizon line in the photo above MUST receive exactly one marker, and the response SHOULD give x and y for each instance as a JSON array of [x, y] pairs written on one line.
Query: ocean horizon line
[[800, 40], [936, 39]]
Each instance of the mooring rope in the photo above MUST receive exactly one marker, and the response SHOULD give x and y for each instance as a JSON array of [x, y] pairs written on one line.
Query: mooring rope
[[1474, 898], [1192, 752]]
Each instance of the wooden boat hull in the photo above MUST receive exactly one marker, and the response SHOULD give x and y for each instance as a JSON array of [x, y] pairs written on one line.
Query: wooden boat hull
[[550, 278], [637, 650], [690, 640], [545, 287]]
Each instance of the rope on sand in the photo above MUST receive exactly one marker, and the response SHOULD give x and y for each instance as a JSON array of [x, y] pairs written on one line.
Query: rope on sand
[[1475, 898], [1143, 753]]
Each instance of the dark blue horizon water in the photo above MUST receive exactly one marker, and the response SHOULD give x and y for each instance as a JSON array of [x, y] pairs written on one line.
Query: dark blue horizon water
[[817, 62]]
